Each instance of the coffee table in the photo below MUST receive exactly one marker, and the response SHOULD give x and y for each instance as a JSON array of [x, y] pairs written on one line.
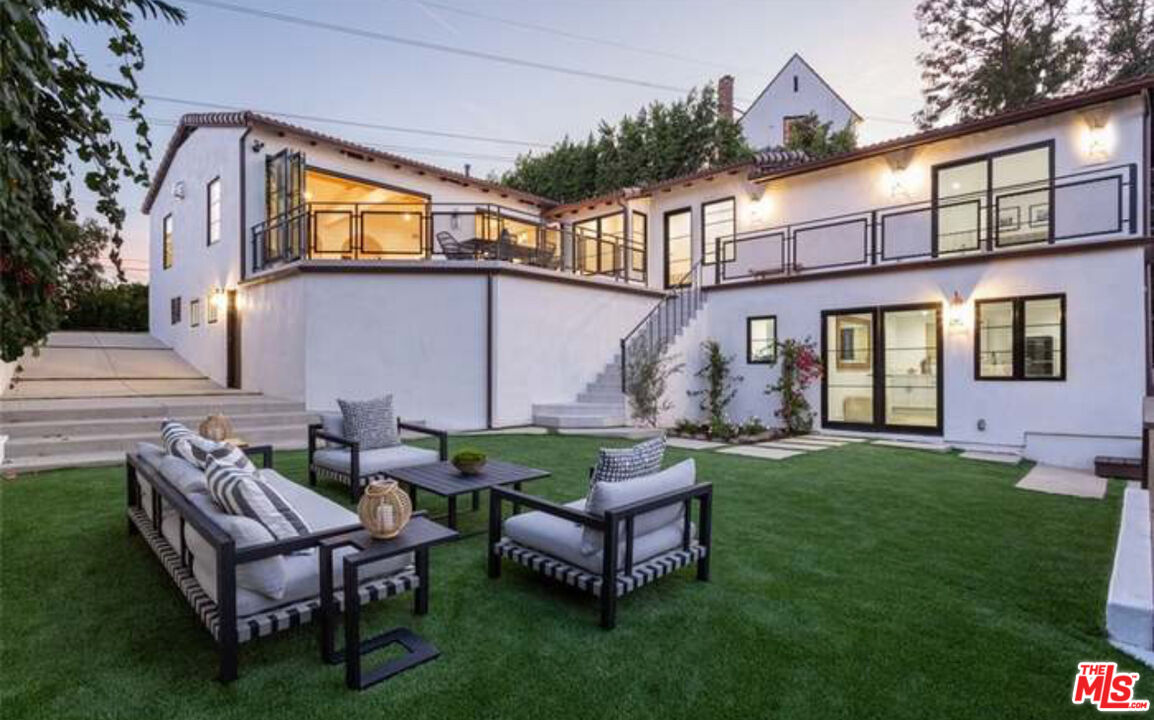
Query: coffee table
[[445, 480], [417, 537]]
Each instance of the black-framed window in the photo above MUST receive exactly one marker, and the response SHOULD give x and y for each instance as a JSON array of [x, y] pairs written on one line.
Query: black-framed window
[[761, 340], [166, 240], [212, 196], [1001, 199], [787, 125], [174, 310], [639, 252], [678, 247], [194, 312], [1020, 338], [718, 220]]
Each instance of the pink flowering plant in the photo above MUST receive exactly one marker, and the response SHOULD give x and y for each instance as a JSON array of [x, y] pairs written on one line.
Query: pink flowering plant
[[801, 366]]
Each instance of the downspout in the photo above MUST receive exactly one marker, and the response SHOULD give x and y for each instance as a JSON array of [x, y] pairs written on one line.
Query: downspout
[[243, 212], [1148, 196]]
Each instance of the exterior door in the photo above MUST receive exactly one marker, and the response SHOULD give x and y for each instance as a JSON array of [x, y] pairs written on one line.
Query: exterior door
[[678, 247], [232, 342], [284, 175], [883, 368]]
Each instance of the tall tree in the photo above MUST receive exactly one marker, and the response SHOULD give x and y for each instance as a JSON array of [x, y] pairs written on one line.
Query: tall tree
[[661, 141], [986, 56], [1122, 36], [50, 110], [817, 139]]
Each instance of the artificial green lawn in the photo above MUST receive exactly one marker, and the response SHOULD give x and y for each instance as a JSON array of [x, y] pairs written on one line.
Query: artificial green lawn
[[853, 582]]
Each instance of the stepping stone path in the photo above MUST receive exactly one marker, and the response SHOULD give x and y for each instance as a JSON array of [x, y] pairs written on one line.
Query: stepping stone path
[[691, 444], [762, 453], [909, 445], [1064, 481]]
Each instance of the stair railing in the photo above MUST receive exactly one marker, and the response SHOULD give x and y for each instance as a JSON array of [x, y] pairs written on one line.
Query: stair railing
[[663, 322]]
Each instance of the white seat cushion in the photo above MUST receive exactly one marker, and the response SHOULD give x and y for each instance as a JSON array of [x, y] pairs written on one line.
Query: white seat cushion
[[374, 462], [561, 538]]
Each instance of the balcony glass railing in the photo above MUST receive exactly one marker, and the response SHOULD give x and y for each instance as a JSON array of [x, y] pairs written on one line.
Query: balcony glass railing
[[1101, 203]]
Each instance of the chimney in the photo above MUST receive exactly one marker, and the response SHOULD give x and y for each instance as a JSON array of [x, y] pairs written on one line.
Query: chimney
[[725, 97], [468, 169]]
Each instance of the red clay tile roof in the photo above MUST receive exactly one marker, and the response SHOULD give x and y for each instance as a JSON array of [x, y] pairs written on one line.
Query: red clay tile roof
[[246, 118]]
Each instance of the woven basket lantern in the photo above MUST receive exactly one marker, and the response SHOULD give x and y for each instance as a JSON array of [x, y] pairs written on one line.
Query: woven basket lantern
[[384, 509], [216, 427]]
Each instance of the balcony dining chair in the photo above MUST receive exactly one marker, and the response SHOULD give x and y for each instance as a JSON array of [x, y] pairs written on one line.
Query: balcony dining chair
[[451, 247]]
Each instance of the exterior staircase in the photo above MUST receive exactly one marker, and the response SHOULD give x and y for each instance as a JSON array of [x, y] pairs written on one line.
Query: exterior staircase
[[87, 398], [603, 403]]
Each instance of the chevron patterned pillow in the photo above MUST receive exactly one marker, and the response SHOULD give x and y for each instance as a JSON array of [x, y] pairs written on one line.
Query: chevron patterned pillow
[[187, 445]]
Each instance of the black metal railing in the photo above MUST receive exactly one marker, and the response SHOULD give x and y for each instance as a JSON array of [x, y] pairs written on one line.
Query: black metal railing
[[609, 254], [660, 326], [1096, 203]]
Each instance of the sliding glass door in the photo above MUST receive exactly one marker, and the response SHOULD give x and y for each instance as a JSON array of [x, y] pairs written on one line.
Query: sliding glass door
[[883, 368]]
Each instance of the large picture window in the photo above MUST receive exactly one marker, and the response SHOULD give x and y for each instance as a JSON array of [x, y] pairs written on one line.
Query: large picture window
[[678, 247], [1021, 338], [999, 199], [214, 211], [761, 340]]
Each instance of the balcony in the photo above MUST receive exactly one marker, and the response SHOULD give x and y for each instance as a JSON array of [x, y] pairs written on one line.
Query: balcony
[[438, 232], [1097, 204]]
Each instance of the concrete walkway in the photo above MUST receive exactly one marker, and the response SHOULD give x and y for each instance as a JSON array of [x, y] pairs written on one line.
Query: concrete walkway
[[101, 365]]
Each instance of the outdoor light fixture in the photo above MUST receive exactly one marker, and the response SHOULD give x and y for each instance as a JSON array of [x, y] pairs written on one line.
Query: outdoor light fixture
[[756, 191], [219, 299], [257, 145], [900, 175], [957, 311], [1097, 135]]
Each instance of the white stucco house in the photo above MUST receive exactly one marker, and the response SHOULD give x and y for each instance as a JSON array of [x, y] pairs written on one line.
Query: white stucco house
[[793, 93], [984, 283]]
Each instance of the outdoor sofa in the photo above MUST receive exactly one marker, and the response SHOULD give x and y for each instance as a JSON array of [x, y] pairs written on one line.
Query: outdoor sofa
[[648, 520], [343, 459], [225, 579]]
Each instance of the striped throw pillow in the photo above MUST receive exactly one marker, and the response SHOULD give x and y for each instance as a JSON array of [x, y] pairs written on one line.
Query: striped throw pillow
[[188, 446], [243, 492]]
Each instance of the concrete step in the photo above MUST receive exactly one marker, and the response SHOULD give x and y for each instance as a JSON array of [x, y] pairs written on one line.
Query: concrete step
[[64, 410], [59, 447], [580, 408], [76, 429], [590, 420], [601, 396]]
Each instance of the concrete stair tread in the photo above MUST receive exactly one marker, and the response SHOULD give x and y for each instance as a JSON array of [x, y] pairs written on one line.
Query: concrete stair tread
[[39, 463], [85, 428]]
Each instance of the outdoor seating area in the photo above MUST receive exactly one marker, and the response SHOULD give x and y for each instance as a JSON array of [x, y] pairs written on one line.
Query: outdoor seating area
[[816, 556]]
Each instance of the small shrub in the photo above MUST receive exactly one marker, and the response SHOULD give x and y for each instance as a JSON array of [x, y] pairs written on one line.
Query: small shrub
[[753, 426], [685, 426], [800, 367], [720, 385], [469, 455], [647, 375]]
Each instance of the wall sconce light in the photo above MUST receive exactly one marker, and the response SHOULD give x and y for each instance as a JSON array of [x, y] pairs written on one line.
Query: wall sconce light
[[899, 172], [1097, 136], [219, 298], [957, 311], [257, 145], [178, 190], [756, 191]]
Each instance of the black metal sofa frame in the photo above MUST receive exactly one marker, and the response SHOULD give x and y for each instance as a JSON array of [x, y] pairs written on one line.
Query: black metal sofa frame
[[625, 579], [220, 617], [316, 431]]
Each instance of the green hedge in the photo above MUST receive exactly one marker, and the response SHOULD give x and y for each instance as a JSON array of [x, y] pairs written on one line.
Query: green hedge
[[117, 307]]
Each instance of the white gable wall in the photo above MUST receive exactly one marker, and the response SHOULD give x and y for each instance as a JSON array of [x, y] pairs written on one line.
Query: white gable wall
[[763, 124]]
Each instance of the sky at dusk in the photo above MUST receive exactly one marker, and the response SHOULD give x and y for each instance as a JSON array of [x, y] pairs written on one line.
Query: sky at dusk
[[653, 49]]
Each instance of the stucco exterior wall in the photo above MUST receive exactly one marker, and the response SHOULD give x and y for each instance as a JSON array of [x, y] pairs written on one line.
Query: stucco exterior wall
[[762, 124], [1095, 410]]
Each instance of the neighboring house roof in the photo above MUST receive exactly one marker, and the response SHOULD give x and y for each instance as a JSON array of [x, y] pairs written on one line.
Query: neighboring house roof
[[247, 118], [809, 67], [1042, 108]]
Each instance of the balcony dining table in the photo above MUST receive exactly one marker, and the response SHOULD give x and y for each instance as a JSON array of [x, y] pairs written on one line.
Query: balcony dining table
[[500, 249]]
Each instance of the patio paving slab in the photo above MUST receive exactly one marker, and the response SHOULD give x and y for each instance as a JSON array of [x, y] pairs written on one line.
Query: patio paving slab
[[524, 430], [761, 453], [691, 444], [1064, 481], [1004, 458], [843, 438], [791, 445], [910, 445]]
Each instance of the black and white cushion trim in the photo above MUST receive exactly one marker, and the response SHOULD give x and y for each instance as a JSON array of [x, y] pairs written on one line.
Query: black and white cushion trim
[[619, 464], [265, 623], [327, 473], [643, 573]]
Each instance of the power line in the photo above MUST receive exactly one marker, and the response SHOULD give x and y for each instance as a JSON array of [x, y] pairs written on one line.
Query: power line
[[352, 123], [166, 122], [575, 36], [476, 54]]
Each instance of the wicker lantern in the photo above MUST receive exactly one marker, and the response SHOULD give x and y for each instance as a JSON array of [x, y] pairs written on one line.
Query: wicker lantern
[[216, 427], [384, 509]]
